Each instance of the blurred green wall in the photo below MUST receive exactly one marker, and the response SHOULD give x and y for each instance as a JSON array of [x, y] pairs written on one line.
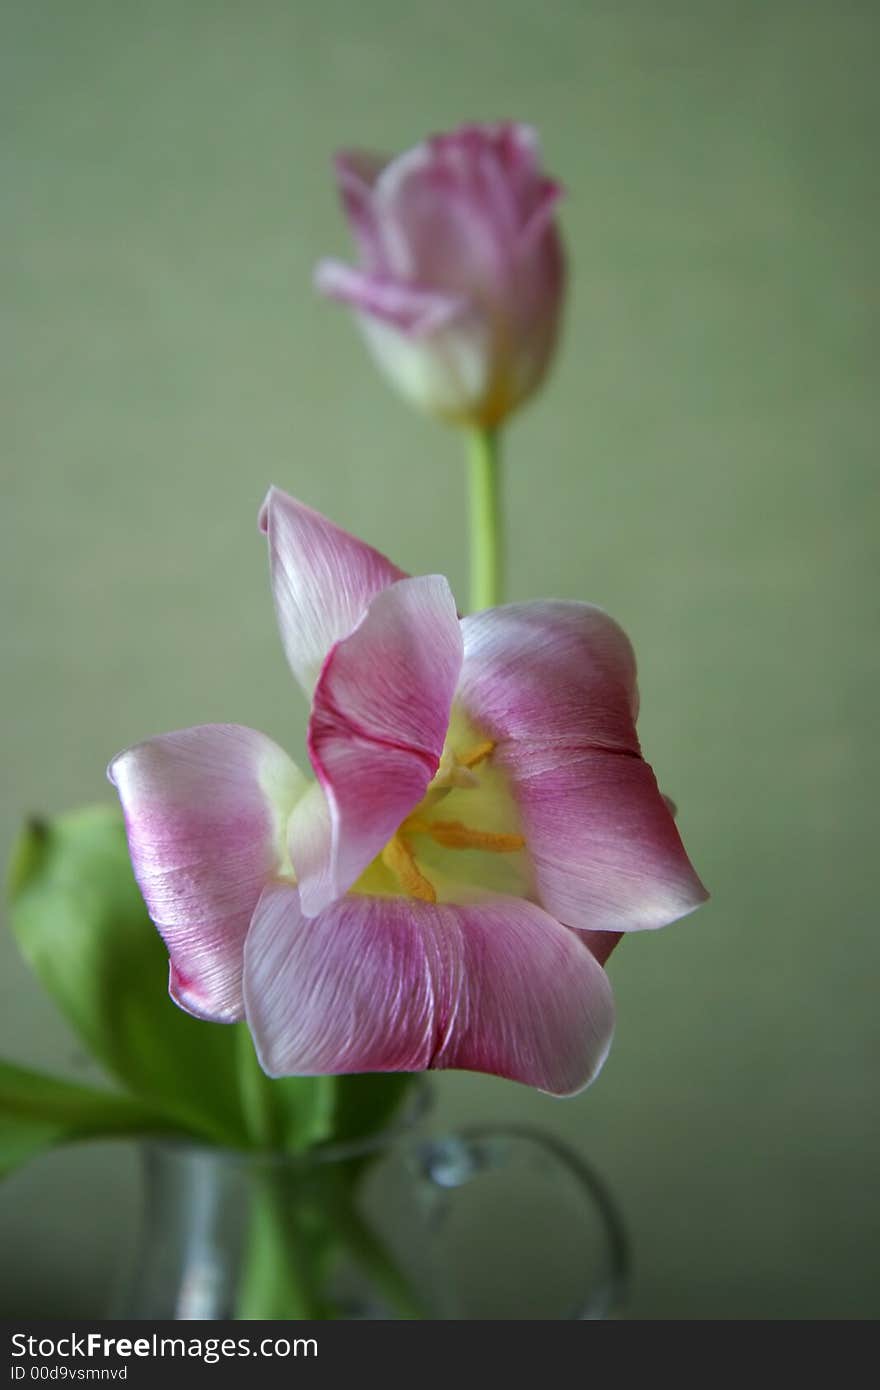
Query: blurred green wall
[[703, 464]]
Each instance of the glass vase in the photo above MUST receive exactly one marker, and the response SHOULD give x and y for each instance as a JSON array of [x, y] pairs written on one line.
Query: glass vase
[[484, 1223]]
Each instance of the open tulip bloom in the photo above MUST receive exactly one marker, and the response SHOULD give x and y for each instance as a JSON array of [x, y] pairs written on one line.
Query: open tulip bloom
[[480, 828]]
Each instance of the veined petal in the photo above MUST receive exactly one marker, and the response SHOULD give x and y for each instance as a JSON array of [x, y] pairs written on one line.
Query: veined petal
[[379, 720], [322, 581], [393, 984], [604, 849], [554, 686], [550, 672], [409, 308], [205, 813], [310, 834]]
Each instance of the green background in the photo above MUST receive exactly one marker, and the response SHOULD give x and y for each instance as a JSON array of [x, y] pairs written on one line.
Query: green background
[[702, 463]]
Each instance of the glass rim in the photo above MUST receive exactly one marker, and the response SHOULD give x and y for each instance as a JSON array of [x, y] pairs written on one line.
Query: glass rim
[[416, 1106]]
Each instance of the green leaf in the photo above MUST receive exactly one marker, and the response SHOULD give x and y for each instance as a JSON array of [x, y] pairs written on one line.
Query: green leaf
[[39, 1111], [367, 1104], [289, 1113], [82, 925]]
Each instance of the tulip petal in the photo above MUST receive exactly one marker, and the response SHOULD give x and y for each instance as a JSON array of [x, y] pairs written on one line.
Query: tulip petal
[[504, 159], [553, 685], [322, 581], [520, 153], [310, 836], [604, 849], [551, 671], [205, 812], [541, 216], [447, 218], [393, 984], [453, 211], [405, 307], [379, 720], [356, 172]]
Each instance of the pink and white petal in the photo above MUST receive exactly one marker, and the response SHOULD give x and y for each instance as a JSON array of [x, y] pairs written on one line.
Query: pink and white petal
[[409, 308], [205, 814], [310, 836], [514, 150], [447, 373], [541, 216], [356, 172], [604, 850], [323, 579], [520, 153], [444, 223], [554, 685], [393, 984], [379, 720], [553, 673]]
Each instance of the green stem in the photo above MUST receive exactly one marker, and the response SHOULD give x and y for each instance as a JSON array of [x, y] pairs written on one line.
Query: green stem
[[366, 1248], [280, 1276], [257, 1099], [487, 561]]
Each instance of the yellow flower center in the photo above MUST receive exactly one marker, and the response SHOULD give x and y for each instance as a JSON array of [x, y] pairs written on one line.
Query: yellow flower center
[[417, 861]]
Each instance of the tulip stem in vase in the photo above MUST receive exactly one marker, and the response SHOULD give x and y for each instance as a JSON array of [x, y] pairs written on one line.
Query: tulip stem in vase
[[487, 550], [280, 1277], [275, 1282]]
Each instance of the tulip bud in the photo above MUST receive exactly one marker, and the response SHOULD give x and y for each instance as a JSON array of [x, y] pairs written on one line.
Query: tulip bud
[[461, 275]]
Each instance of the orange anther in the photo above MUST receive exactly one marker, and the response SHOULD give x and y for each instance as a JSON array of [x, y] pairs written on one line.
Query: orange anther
[[454, 835], [398, 857], [478, 754]]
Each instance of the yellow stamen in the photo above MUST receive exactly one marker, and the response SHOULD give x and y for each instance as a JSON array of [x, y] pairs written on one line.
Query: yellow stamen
[[398, 857], [476, 755], [454, 835]]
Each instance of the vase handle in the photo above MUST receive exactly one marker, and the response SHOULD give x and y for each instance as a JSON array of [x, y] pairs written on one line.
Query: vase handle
[[520, 1226]]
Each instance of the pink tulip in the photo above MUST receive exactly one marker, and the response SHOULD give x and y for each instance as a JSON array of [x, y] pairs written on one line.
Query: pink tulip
[[461, 275], [480, 828]]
